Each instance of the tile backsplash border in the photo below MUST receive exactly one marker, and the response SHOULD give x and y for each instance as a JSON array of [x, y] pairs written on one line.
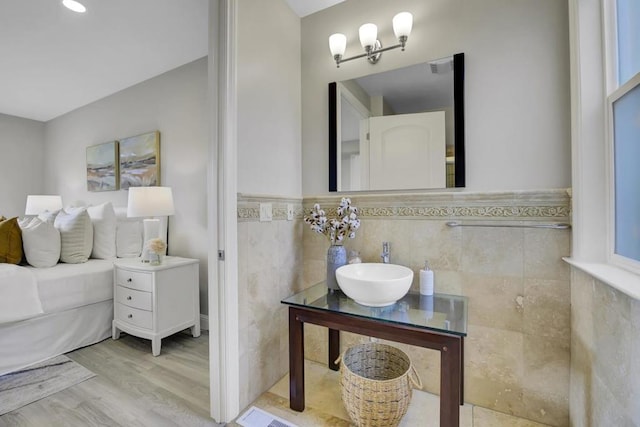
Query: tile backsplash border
[[249, 207], [529, 206], [543, 205]]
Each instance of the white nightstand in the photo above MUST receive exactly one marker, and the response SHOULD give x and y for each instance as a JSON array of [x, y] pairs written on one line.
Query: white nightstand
[[154, 302]]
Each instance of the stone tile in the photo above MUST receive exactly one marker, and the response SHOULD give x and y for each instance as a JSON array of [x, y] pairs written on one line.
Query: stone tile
[[546, 365], [493, 251], [633, 409], [436, 242], [427, 364], [495, 302], [448, 282], [546, 379], [494, 369], [547, 308], [613, 335], [582, 289], [606, 409], [581, 383], [315, 343], [494, 354], [546, 408], [543, 252], [483, 417]]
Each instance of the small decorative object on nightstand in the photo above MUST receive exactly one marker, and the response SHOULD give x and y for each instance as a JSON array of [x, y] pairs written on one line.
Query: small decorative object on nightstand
[[155, 301]]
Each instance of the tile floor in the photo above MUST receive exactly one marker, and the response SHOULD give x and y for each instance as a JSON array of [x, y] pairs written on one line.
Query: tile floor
[[324, 405]]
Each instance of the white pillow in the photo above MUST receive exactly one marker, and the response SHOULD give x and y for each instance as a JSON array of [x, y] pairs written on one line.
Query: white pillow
[[103, 218], [128, 238], [129, 234], [41, 242], [76, 235], [48, 216]]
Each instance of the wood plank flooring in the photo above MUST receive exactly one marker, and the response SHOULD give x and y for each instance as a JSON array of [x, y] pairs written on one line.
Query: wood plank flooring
[[132, 388]]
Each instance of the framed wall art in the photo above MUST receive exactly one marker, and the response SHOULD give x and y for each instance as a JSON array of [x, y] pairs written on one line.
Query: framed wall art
[[102, 167], [140, 160]]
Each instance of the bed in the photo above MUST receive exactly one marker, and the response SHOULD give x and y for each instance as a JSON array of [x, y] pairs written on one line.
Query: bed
[[76, 310]]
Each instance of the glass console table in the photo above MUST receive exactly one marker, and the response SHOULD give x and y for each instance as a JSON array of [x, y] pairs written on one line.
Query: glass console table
[[438, 322]]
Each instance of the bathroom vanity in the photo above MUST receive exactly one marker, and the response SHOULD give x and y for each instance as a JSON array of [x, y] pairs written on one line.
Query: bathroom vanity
[[438, 322]]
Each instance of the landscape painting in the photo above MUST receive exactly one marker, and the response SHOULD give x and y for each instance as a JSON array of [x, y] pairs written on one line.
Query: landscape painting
[[102, 167], [140, 160]]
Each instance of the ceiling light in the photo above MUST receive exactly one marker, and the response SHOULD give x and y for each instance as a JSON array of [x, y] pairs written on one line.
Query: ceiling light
[[74, 5]]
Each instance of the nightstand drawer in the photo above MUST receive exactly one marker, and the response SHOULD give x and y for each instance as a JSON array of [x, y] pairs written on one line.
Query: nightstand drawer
[[134, 316], [134, 280], [133, 298]]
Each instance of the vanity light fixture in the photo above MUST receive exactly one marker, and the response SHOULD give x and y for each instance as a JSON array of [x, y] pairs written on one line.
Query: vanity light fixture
[[74, 5], [402, 24]]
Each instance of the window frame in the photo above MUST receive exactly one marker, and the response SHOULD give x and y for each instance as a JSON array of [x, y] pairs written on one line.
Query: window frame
[[614, 91]]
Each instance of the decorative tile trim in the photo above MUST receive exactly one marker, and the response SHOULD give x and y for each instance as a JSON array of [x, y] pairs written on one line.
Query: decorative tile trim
[[249, 207], [543, 205]]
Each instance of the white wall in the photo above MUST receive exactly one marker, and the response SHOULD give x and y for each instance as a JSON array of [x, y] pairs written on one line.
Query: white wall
[[21, 162], [517, 82], [269, 96], [174, 103]]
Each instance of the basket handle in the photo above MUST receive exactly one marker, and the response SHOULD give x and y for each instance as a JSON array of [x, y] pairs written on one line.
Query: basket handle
[[339, 359], [417, 382]]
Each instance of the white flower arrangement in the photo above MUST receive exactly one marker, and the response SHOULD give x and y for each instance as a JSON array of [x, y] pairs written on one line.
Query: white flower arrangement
[[338, 228], [156, 246]]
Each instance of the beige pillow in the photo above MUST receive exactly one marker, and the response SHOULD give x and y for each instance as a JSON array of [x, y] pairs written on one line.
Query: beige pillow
[[10, 241], [76, 235]]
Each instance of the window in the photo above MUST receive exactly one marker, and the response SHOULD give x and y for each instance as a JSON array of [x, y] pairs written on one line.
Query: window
[[624, 137]]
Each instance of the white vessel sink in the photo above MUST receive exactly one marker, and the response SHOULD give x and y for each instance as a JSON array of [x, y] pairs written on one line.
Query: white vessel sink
[[374, 284]]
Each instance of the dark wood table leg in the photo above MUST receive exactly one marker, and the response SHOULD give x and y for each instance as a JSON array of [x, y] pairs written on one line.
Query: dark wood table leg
[[461, 371], [334, 348], [296, 362], [450, 362]]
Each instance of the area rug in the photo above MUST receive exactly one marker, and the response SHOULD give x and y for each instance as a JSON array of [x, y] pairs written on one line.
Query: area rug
[[256, 417], [38, 381]]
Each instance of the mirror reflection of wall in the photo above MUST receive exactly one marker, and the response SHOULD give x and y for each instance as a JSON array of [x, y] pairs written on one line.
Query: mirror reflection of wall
[[397, 129]]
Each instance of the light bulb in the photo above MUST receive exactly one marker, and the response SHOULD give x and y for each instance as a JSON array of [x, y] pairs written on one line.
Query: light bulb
[[402, 24], [74, 5], [368, 35], [337, 44]]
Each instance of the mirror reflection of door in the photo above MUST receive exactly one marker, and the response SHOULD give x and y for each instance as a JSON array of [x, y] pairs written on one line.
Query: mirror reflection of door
[[351, 145], [407, 151]]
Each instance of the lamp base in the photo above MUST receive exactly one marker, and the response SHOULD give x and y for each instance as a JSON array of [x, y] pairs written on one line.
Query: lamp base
[[151, 231]]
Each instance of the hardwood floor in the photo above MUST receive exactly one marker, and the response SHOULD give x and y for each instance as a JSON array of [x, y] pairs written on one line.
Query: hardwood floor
[[131, 388]]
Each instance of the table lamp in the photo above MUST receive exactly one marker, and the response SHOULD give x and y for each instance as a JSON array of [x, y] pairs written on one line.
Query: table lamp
[[150, 202], [36, 204]]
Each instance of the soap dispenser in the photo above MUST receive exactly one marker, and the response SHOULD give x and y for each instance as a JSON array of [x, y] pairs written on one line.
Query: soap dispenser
[[426, 280]]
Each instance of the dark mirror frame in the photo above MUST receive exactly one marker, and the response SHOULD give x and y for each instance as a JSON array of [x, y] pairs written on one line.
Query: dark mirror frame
[[458, 114]]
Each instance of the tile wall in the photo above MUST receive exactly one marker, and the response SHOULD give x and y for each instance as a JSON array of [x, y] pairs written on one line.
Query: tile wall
[[519, 333], [270, 269], [605, 348]]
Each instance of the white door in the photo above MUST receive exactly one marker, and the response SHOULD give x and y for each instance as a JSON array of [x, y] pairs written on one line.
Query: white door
[[407, 151]]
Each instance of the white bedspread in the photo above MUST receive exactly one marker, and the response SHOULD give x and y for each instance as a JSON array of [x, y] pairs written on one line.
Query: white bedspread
[[19, 297], [67, 286]]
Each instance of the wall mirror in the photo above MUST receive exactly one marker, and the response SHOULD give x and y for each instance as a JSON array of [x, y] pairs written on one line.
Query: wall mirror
[[399, 130]]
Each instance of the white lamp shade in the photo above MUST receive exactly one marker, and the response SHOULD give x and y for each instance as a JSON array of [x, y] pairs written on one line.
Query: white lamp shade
[[402, 24], [150, 201], [38, 204], [368, 35], [337, 44]]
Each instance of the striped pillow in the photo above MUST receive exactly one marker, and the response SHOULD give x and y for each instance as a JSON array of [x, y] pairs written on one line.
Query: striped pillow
[[76, 235]]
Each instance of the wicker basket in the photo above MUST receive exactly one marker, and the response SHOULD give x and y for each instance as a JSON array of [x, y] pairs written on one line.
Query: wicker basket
[[376, 382]]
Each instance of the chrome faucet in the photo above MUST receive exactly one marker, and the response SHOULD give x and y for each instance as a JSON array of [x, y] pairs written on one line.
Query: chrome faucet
[[385, 252]]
